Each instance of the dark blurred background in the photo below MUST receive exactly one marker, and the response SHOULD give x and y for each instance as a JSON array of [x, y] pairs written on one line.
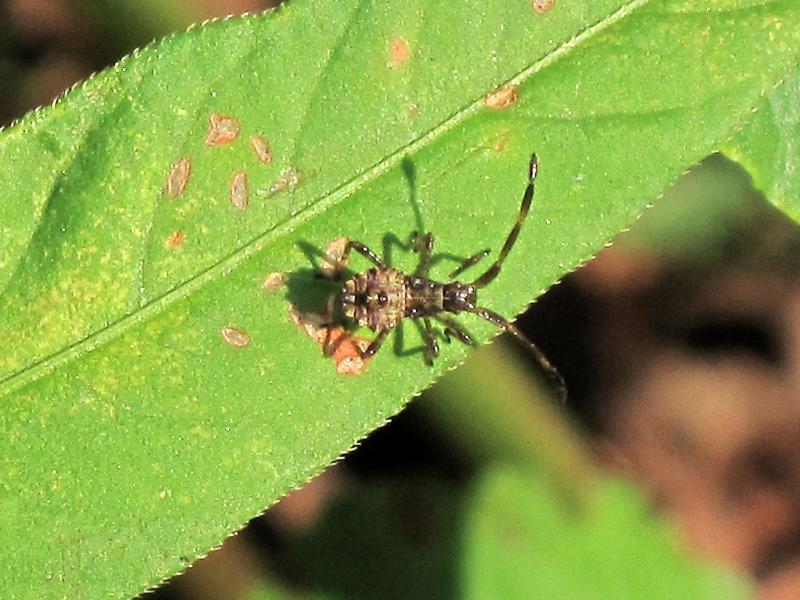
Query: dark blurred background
[[679, 344]]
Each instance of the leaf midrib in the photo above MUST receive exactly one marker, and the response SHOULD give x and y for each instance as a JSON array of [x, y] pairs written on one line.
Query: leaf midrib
[[227, 264]]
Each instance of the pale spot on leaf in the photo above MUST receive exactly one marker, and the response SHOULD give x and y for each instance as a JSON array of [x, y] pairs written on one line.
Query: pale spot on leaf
[[288, 180], [504, 97], [179, 177], [274, 281], [262, 148], [235, 337], [334, 254], [239, 191]]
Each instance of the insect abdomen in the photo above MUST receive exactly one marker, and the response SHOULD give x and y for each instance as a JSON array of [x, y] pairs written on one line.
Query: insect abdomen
[[376, 298]]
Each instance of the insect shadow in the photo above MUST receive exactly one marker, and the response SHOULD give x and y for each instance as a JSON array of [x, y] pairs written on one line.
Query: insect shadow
[[306, 289]]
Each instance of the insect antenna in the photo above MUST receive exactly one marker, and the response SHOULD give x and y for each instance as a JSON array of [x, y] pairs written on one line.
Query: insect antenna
[[527, 199], [554, 377]]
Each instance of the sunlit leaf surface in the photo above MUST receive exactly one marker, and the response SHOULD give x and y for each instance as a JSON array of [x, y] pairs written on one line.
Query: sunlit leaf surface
[[153, 394], [769, 146]]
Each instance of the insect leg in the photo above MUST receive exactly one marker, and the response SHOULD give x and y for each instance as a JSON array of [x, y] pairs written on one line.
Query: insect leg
[[454, 328], [330, 347], [364, 251], [554, 377], [527, 199], [422, 244], [375, 345], [432, 347], [470, 262]]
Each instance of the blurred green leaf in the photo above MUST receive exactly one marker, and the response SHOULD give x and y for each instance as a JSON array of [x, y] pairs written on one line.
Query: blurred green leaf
[[268, 590], [704, 217], [493, 409], [387, 539], [131, 23], [769, 145], [553, 526], [521, 542], [135, 438]]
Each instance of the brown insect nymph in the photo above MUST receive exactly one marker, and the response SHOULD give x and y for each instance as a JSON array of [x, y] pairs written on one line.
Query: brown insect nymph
[[381, 297]]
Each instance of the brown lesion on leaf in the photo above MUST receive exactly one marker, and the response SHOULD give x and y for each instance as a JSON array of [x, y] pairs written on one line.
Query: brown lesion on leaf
[[262, 148], [179, 176], [346, 355], [175, 240], [239, 192], [542, 6], [502, 98], [223, 130], [501, 142], [235, 337], [399, 52]]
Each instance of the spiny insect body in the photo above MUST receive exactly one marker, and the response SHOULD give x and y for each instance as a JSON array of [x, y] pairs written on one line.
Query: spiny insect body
[[381, 297]]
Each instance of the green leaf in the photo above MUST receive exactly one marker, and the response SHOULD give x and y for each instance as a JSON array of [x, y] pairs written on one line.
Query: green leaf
[[520, 542], [383, 539], [769, 145], [135, 437]]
